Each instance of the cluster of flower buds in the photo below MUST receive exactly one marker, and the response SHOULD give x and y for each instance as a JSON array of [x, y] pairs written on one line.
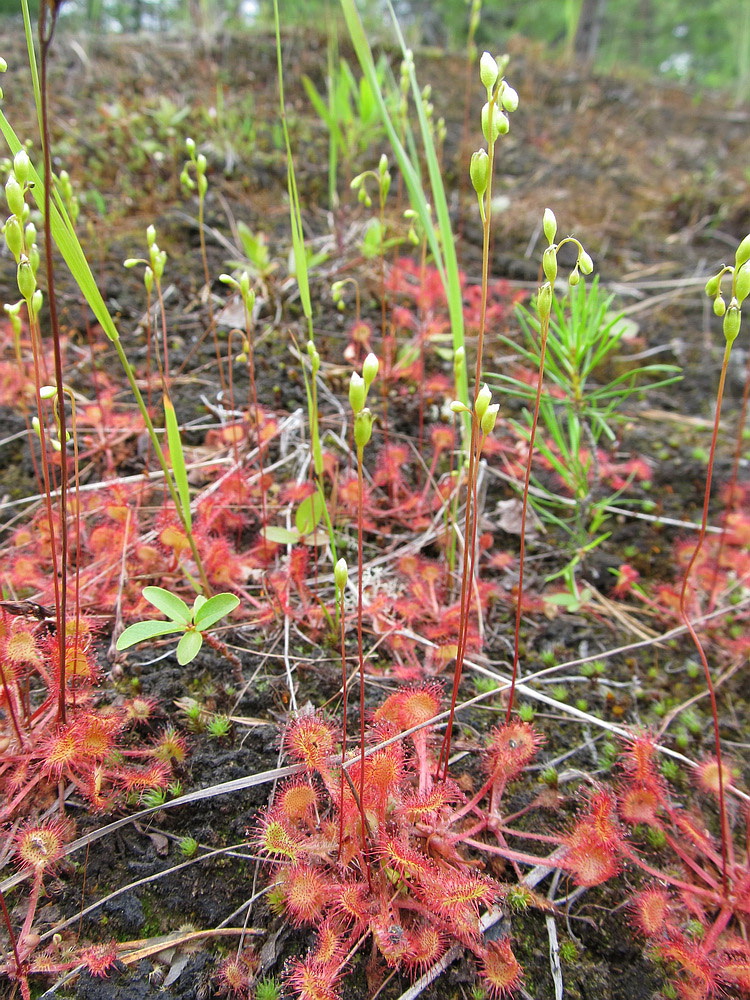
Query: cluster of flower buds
[[740, 273], [382, 178], [359, 386], [583, 265], [50, 392], [155, 264], [20, 232], [485, 411], [501, 101], [199, 163]]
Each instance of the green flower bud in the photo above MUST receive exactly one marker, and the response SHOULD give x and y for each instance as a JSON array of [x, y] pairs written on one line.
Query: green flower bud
[[585, 263], [160, 261], [148, 280], [508, 98], [341, 575], [742, 282], [484, 398], [201, 164], [190, 147], [712, 286], [369, 370], [383, 165], [494, 123], [458, 407], [743, 252], [549, 263], [36, 302], [3, 65], [544, 301], [47, 391], [21, 166], [202, 185], [720, 306], [29, 234], [244, 284], [14, 196], [732, 321], [13, 312], [489, 418], [14, 236], [25, 278], [574, 277], [479, 171], [150, 235], [488, 71], [549, 225], [34, 258], [357, 393], [186, 180], [362, 428]]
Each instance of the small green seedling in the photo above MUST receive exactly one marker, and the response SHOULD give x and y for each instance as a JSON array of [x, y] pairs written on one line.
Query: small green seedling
[[192, 622]]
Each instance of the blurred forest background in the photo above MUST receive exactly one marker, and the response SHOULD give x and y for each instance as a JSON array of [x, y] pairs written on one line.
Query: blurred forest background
[[703, 43]]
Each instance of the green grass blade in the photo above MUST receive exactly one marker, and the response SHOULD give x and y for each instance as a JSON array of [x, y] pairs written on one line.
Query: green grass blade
[[177, 460], [441, 245]]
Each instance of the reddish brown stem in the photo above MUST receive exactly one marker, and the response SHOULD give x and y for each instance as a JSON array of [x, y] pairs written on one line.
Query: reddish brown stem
[[46, 33], [544, 331], [725, 835], [360, 650]]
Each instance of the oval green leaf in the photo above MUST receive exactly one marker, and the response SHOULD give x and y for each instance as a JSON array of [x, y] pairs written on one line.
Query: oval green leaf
[[169, 604], [281, 536], [188, 647], [214, 609], [142, 631], [309, 514]]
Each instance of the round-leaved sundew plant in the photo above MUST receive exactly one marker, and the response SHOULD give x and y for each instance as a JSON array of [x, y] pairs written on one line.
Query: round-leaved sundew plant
[[377, 844]]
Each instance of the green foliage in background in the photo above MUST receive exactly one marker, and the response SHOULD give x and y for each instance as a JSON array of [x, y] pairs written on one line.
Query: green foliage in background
[[707, 44]]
